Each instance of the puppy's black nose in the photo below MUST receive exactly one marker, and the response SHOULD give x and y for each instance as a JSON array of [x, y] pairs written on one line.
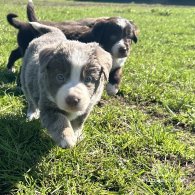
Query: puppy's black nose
[[123, 50], [72, 100]]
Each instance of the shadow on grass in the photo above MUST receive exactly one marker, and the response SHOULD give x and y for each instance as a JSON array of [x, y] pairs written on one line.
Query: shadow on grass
[[22, 146], [16, 91], [7, 83], [163, 2], [7, 77]]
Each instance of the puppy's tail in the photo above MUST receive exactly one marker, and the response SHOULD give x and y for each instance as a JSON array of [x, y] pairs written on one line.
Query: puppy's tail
[[31, 12], [12, 21]]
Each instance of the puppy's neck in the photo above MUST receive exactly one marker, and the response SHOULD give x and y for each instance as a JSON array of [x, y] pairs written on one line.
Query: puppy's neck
[[74, 115]]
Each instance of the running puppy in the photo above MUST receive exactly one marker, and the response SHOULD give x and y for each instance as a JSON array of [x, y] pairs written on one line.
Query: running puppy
[[62, 80]]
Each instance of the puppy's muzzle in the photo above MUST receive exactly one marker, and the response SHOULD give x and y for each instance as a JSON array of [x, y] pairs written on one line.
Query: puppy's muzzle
[[123, 51], [73, 97]]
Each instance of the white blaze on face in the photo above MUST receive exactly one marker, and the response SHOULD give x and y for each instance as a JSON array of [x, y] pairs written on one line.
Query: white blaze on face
[[74, 87], [122, 22], [121, 43], [117, 60]]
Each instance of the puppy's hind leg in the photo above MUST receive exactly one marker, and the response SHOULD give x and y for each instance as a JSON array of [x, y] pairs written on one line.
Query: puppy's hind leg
[[15, 55]]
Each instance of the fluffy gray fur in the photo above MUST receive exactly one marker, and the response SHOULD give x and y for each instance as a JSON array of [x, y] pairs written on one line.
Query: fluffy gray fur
[[46, 73]]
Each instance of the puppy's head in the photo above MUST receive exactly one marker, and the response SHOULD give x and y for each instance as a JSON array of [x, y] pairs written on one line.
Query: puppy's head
[[115, 35], [74, 73]]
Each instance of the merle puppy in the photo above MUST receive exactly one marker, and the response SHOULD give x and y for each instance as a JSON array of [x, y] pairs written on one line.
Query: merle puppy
[[62, 80]]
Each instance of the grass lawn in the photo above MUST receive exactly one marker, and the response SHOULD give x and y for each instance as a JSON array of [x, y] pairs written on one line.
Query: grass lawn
[[140, 142]]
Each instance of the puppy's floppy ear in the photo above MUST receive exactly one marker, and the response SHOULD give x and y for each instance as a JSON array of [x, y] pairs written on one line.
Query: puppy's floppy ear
[[134, 37], [134, 32], [105, 60], [45, 57]]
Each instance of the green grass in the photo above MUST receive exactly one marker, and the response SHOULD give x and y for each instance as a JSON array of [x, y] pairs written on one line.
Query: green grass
[[140, 142]]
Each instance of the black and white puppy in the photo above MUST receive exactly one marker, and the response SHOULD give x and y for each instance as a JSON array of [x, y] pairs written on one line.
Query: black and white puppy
[[115, 35]]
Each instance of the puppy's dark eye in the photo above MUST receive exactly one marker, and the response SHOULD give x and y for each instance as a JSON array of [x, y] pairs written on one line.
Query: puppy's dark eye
[[88, 79], [60, 77]]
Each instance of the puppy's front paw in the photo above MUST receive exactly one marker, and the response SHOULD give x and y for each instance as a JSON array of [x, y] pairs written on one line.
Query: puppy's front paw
[[111, 89], [68, 138]]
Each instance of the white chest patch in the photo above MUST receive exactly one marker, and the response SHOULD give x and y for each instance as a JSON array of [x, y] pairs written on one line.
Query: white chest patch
[[118, 62], [73, 116]]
